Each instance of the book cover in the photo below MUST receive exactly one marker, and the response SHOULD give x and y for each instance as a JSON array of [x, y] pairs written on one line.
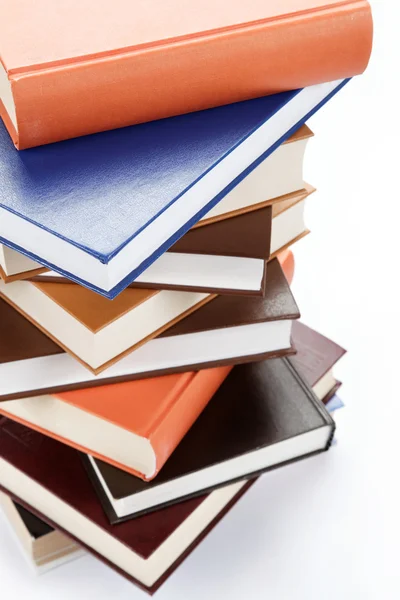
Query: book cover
[[225, 257], [259, 406], [96, 331], [315, 357], [128, 63], [278, 177], [103, 208], [241, 243], [237, 329], [135, 425]]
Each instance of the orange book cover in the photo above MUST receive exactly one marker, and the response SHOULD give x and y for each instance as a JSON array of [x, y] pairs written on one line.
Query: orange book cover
[[73, 68], [141, 420], [286, 259]]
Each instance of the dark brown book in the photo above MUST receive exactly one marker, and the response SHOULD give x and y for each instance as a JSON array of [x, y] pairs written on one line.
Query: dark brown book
[[266, 416], [225, 257], [315, 357], [259, 407], [229, 330]]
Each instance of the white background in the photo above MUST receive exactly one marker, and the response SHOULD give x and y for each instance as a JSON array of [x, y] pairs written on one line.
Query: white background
[[326, 528]]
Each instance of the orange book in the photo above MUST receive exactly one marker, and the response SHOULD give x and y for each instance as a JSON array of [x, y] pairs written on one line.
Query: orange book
[[134, 426], [73, 68], [286, 260]]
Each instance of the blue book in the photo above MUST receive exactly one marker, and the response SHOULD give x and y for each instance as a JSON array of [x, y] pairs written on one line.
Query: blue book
[[335, 403], [103, 208]]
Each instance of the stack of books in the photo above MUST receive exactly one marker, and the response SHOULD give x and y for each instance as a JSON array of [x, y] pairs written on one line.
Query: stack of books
[[152, 364]]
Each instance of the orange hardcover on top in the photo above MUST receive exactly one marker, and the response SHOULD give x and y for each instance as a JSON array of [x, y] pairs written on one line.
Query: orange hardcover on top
[[71, 68], [135, 426]]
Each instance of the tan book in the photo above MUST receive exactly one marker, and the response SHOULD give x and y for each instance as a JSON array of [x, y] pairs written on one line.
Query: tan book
[[93, 329]]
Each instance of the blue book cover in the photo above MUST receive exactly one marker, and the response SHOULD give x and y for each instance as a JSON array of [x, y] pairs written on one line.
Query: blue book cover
[[335, 403], [102, 208]]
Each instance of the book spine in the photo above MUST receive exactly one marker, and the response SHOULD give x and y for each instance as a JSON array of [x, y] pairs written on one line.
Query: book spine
[[70, 100]]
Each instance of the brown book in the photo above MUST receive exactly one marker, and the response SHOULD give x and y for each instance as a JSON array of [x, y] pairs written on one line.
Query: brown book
[[315, 357], [95, 330], [228, 330], [273, 418]]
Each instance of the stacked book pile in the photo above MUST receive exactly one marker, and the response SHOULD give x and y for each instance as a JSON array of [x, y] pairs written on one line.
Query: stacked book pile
[[152, 364]]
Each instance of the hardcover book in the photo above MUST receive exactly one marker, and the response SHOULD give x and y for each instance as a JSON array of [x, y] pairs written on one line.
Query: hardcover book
[[278, 177], [146, 550], [103, 208], [228, 256], [246, 428], [44, 546], [315, 357], [134, 426], [237, 249], [228, 330], [29, 460], [94, 330], [134, 62]]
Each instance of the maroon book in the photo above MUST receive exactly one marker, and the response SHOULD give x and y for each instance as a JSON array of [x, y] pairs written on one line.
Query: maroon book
[[53, 476], [315, 357]]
